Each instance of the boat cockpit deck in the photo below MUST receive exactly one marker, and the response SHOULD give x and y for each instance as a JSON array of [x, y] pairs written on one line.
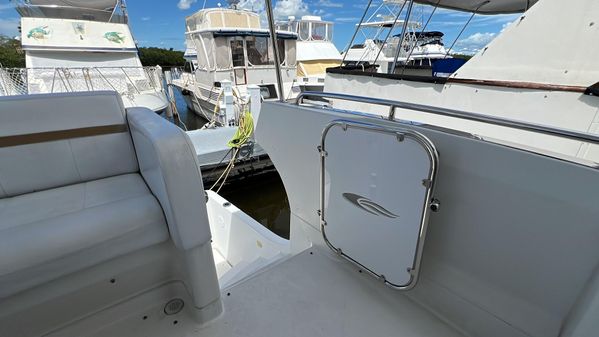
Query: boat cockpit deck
[[312, 294]]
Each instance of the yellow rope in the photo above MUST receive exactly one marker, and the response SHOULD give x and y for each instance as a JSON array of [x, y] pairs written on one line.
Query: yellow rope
[[242, 135], [244, 130]]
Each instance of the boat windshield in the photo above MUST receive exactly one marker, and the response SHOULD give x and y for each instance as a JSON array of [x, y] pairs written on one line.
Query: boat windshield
[[309, 30], [257, 50]]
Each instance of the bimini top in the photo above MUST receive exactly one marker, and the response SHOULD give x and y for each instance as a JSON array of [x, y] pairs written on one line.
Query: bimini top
[[213, 18], [216, 32], [91, 4], [88, 10], [483, 6]]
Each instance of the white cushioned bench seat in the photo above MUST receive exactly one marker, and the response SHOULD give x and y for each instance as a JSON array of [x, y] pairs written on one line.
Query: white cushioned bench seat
[[47, 234], [82, 182]]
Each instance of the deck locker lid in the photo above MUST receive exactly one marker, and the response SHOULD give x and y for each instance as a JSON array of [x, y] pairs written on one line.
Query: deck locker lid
[[376, 187]]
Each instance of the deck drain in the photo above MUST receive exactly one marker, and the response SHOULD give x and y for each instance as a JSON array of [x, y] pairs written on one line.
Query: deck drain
[[174, 306]]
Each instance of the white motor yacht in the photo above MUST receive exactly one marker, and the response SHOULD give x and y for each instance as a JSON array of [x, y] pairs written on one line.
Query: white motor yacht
[[383, 41], [232, 49], [73, 46], [505, 79], [315, 49]]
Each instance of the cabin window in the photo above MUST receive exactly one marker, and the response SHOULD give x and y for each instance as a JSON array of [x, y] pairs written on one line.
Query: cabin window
[[209, 45], [281, 45], [329, 32], [237, 53], [293, 26], [188, 68], [223, 59], [283, 26], [304, 32], [257, 49], [202, 59], [319, 31], [291, 56]]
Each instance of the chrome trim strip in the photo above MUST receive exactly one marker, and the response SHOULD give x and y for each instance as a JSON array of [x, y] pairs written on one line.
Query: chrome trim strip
[[510, 123], [432, 174]]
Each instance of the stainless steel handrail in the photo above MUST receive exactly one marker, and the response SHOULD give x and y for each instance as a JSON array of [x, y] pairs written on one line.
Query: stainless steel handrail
[[505, 122], [84, 79]]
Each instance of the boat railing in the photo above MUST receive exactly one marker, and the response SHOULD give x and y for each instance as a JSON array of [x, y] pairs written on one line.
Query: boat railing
[[114, 14], [176, 72], [464, 115], [124, 80]]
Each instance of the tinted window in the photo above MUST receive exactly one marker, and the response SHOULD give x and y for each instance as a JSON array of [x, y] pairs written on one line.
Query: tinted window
[[304, 33], [237, 53], [319, 31], [257, 48]]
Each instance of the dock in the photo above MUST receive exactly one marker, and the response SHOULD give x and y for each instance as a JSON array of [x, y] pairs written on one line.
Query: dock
[[214, 155]]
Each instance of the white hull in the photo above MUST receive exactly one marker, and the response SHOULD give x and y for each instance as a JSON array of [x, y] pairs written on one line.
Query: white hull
[[202, 99], [535, 106]]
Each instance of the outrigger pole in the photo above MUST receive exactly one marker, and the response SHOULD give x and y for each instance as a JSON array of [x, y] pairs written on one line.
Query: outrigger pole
[[403, 35], [356, 32], [275, 47]]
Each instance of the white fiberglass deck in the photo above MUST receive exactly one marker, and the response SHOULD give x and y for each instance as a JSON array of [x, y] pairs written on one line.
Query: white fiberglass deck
[[317, 294], [311, 294]]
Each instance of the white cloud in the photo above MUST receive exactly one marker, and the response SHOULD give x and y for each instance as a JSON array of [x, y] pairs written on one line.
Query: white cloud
[[9, 27], [282, 9], [252, 5], [285, 8], [145, 18], [474, 42], [185, 4], [329, 3]]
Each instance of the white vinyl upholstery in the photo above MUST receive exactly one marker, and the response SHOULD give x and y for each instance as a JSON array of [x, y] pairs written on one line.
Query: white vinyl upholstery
[[72, 201], [33, 167], [81, 183], [47, 234], [169, 166]]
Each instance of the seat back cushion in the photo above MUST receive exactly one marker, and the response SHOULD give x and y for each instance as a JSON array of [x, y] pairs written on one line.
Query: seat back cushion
[[48, 141]]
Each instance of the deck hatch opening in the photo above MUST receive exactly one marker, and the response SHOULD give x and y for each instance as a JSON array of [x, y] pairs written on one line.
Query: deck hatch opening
[[374, 204]]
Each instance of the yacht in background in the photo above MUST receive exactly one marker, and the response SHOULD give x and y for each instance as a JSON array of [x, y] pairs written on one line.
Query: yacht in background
[[232, 49], [80, 45], [416, 50], [502, 80], [315, 50]]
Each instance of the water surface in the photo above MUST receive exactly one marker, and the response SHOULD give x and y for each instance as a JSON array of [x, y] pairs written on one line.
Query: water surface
[[261, 196]]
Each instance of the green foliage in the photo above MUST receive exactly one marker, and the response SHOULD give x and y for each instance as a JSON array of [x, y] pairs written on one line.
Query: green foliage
[[11, 55], [152, 56]]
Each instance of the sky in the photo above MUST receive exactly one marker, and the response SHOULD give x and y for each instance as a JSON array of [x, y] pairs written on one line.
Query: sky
[[161, 23]]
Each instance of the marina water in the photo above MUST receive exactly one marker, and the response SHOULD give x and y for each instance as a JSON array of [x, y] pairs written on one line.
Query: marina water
[[269, 207]]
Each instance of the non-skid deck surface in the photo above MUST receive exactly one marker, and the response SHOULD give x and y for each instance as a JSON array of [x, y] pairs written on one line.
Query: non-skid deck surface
[[312, 294], [317, 294]]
